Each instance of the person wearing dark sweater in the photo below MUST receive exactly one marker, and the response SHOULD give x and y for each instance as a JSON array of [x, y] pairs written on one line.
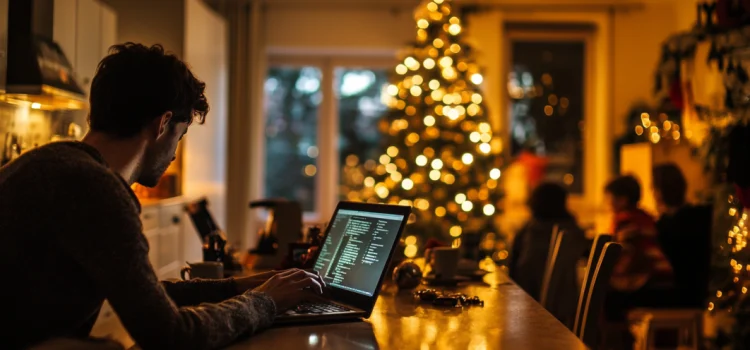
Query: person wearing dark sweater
[[531, 247], [71, 231], [684, 235]]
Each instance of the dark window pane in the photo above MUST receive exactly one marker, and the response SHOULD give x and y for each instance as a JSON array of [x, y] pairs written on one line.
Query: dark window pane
[[293, 96], [360, 107], [547, 94]]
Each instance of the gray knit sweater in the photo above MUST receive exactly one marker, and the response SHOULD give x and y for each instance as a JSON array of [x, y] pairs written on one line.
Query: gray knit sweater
[[71, 236]]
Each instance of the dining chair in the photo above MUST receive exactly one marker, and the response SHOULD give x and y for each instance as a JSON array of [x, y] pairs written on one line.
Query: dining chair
[[555, 243], [592, 311], [596, 251]]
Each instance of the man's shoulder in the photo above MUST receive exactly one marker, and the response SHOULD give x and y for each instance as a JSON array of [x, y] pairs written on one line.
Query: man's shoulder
[[68, 163]]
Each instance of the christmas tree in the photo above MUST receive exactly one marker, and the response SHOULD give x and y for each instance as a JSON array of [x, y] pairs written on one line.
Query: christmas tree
[[440, 154]]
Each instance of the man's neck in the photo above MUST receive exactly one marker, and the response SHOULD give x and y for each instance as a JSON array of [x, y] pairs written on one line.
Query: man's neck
[[123, 155]]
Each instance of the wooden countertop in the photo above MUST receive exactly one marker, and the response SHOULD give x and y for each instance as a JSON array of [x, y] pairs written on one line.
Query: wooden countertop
[[510, 319]]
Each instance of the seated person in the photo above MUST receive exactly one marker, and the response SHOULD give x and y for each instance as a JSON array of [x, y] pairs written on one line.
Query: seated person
[[642, 276], [684, 235], [548, 205], [72, 235]]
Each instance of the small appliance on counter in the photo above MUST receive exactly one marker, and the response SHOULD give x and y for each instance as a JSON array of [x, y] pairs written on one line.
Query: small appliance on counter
[[283, 229], [215, 247]]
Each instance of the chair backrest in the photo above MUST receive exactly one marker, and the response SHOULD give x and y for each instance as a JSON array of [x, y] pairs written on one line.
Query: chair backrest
[[556, 242], [589, 327], [596, 252]]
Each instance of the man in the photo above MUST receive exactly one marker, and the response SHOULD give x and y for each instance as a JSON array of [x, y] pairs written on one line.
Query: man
[[71, 233]]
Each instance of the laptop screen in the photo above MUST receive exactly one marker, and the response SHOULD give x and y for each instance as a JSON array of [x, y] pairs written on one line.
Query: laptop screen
[[355, 253]]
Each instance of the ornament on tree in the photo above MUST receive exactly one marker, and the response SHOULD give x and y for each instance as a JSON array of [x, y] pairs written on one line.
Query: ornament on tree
[[407, 275], [440, 154]]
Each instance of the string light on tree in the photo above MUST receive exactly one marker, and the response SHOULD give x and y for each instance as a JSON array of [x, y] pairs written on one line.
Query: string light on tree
[[439, 140]]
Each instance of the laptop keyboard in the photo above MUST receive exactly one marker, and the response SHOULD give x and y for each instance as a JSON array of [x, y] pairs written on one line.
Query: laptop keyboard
[[318, 307]]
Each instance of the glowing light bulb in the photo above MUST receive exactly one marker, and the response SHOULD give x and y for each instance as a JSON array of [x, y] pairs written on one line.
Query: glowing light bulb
[[410, 251], [477, 78], [455, 48], [407, 184], [467, 206], [440, 212], [434, 84], [435, 175], [423, 23], [437, 164], [467, 158], [429, 63], [454, 29], [410, 240], [415, 90], [429, 120], [655, 138], [474, 137], [446, 61], [484, 127], [417, 79], [411, 63], [485, 148], [385, 159], [401, 69], [421, 160], [489, 209], [369, 182], [495, 173], [476, 98], [460, 198], [456, 231], [392, 151], [438, 43], [392, 90]]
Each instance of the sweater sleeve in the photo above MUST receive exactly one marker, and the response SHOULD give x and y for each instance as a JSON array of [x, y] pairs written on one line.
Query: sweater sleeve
[[103, 233], [196, 291]]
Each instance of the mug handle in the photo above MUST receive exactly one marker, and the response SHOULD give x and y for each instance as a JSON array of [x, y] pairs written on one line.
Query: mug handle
[[183, 271]]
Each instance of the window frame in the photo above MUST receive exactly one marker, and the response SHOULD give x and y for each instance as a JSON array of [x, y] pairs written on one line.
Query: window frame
[[329, 168]]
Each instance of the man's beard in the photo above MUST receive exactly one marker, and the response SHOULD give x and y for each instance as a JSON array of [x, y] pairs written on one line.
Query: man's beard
[[151, 174]]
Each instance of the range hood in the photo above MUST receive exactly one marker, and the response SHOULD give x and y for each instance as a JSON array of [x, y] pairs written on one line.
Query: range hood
[[38, 73]]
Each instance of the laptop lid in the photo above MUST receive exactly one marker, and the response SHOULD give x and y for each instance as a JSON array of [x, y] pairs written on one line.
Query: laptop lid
[[360, 240]]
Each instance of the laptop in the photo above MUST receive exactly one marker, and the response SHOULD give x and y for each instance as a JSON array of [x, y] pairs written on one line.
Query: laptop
[[360, 240]]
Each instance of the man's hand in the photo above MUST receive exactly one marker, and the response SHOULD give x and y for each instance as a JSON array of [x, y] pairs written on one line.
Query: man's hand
[[254, 281], [290, 287]]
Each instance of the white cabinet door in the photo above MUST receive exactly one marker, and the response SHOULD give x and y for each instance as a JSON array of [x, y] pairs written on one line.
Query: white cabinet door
[[109, 29], [88, 41], [154, 248], [64, 28]]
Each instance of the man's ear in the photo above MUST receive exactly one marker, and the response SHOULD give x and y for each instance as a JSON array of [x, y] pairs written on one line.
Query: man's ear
[[163, 123]]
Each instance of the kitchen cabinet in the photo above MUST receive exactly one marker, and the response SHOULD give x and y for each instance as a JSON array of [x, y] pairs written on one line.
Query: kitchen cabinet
[[164, 223], [84, 29]]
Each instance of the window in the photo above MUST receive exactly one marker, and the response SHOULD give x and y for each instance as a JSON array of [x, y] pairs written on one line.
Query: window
[[359, 110], [547, 107], [317, 113], [293, 97]]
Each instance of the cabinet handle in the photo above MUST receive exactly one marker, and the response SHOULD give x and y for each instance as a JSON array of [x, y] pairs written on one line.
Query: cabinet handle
[[175, 219]]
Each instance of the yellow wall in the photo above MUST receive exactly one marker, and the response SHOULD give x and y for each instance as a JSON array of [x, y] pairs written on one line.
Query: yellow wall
[[637, 50]]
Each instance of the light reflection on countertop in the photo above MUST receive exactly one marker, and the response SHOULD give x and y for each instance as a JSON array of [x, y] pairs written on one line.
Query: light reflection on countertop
[[510, 319]]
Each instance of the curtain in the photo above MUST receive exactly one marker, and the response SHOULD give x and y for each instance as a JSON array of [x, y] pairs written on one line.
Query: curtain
[[246, 73]]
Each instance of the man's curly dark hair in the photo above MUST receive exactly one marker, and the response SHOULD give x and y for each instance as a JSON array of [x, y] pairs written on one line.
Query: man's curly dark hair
[[135, 84]]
